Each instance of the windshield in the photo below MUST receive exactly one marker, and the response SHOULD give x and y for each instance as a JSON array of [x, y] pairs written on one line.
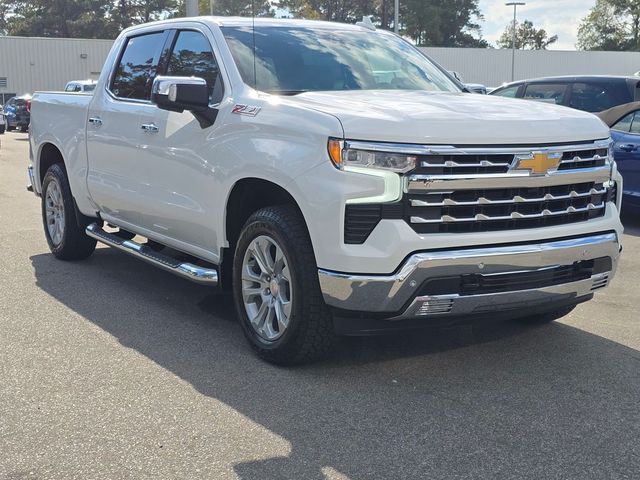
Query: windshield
[[291, 60]]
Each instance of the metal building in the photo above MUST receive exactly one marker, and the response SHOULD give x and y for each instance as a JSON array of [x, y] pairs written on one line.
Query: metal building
[[492, 67], [30, 64]]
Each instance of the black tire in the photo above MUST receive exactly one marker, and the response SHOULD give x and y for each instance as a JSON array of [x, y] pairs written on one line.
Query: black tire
[[74, 243], [24, 128], [2, 128], [547, 317], [9, 127], [309, 335]]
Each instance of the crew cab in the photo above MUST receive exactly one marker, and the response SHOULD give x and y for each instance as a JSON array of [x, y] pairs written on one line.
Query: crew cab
[[332, 176]]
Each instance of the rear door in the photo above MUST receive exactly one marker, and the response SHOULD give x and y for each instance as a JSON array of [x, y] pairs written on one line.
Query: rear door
[[116, 180], [626, 135]]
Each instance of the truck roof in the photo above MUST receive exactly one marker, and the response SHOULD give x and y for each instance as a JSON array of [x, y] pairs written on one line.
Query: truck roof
[[271, 22]]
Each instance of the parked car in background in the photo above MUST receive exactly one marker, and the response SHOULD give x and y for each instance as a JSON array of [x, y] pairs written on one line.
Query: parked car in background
[[624, 122], [17, 114], [3, 122], [80, 86], [588, 93], [471, 87]]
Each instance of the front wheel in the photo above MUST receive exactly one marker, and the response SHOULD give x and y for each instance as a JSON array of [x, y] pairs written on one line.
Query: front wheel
[[276, 289], [63, 229]]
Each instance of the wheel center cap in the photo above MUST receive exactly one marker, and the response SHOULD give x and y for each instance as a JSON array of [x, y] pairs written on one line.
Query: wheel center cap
[[273, 287]]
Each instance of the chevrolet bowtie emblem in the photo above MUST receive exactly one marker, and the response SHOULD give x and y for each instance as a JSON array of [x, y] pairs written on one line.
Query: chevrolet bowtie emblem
[[538, 163]]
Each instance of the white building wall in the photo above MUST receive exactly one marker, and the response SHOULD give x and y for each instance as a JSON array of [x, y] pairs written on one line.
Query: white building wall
[[492, 67], [31, 64]]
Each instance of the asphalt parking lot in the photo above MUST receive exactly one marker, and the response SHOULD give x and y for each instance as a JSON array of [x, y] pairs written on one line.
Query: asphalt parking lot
[[110, 368]]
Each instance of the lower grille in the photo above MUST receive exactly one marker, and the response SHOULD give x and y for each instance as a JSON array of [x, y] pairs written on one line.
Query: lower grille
[[476, 284]]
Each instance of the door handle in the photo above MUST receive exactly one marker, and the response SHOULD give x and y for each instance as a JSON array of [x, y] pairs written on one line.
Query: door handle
[[628, 147], [96, 121], [149, 127]]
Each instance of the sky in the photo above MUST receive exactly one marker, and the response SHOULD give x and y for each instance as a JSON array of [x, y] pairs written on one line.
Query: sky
[[557, 17]]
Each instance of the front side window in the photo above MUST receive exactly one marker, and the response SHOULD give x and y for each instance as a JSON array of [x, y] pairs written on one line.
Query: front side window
[[635, 124], [546, 93], [192, 56], [137, 67], [624, 125], [291, 60], [596, 97], [89, 88]]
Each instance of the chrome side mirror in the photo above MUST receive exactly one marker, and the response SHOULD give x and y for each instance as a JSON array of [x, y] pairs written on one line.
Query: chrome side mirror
[[177, 94]]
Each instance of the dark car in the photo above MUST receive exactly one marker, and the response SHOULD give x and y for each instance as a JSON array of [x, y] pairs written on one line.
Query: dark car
[[17, 112], [587, 93], [624, 122]]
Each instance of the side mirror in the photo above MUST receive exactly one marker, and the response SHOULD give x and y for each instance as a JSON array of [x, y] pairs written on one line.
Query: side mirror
[[177, 94]]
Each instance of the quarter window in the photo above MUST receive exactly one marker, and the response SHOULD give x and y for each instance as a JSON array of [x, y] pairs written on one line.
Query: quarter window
[[509, 92], [192, 56], [137, 67], [546, 92]]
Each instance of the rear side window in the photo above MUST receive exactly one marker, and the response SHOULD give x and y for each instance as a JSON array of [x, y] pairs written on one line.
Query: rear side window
[[192, 56], [596, 97], [547, 92], [509, 92], [137, 66]]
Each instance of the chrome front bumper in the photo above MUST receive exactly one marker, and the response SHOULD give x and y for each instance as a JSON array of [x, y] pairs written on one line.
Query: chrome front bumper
[[398, 296]]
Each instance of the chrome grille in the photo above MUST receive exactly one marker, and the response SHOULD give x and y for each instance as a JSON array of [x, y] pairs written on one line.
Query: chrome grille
[[479, 210]]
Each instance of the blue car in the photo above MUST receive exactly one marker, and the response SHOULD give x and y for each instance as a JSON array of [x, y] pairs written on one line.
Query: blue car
[[624, 122]]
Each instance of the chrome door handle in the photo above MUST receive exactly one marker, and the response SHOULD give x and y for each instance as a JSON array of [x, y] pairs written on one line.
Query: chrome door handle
[[97, 121], [149, 127]]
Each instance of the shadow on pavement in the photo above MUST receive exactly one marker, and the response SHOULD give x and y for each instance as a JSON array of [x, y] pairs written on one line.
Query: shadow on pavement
[[631, 224], [497, 401]]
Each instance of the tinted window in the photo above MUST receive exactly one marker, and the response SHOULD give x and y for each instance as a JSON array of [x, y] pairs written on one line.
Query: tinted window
[[192, 57], [137, 67], [624, 125], [546, 92], [291, 60], [596, 97], [509, 92], [89, 88]]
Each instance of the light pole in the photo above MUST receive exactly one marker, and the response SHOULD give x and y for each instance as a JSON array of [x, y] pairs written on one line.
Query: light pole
[[513, 37], [396, 16]]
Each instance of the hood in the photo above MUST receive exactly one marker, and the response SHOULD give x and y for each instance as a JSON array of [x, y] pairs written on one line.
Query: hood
[[452, 118]]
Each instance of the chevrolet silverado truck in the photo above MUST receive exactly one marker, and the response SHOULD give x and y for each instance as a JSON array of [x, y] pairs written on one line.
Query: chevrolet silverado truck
[[332, 176]]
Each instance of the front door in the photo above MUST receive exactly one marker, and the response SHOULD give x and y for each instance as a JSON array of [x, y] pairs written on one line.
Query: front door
[[180, 203]]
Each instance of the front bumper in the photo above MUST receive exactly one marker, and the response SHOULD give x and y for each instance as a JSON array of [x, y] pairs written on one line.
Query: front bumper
[[401, 295]]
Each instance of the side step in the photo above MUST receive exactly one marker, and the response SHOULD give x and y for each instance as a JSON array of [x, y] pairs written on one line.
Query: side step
[[202, 275]]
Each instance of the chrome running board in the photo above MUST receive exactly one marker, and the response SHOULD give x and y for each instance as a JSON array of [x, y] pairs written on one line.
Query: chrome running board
[[202, 275]]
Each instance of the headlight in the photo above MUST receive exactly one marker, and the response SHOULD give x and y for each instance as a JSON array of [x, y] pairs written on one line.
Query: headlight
[[346, 154]]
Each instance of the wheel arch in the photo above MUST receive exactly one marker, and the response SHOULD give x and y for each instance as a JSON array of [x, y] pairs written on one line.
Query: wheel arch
[[48, 154], [247, 196]]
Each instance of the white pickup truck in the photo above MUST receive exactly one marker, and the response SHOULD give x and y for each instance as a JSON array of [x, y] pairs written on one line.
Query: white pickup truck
[[332, 176]]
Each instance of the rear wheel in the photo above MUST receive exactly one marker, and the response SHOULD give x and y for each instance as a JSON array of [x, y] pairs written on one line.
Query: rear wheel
[[276, 289], [63, 228], [2, 127]]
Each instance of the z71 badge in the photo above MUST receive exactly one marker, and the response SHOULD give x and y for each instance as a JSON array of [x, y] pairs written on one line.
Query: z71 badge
[[250, 110]]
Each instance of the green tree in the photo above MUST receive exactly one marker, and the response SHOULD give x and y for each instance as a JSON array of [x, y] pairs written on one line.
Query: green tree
[[443, 23], [528, 37], [630, 11], [604, 29], [349, 11], [61, 18]]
